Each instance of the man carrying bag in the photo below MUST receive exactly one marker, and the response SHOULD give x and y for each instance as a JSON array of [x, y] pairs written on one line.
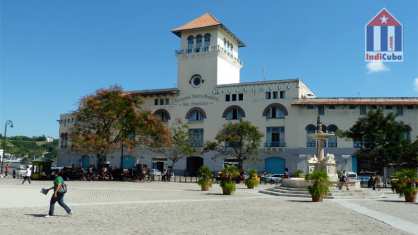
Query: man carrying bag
[[60, 188]]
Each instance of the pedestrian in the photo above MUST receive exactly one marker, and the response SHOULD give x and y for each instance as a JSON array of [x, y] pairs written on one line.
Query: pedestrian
[[60, 188], [377, 182], [27, 175], [14, 173], [374, 183], [6, 169], [345, 180]]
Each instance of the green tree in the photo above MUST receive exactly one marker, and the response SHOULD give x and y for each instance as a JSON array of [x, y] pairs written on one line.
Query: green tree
[[111, 118], [239, 140], [382, 139], [180, 143]]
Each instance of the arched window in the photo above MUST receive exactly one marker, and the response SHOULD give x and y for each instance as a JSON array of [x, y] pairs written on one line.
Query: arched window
[[198, 43], [310, 131], [195, 114], [162, 115], [190, 41], [207, 42], [233, 112], [332, 140], [275, 111]]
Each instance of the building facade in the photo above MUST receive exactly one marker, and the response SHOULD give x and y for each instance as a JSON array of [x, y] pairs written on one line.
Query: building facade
[[209, 94]]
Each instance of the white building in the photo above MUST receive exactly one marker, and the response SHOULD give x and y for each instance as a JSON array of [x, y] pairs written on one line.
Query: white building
[[209, 94]]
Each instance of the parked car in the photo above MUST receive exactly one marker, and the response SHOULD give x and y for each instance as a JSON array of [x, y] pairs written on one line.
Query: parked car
[[155, 172], [272, 178], [351, 176]]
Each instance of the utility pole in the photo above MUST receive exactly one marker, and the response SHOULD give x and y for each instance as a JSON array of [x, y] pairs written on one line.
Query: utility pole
[[8, 123]]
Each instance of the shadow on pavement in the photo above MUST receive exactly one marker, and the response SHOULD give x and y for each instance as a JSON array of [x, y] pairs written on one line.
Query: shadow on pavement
[[36, 215], [398, 201]]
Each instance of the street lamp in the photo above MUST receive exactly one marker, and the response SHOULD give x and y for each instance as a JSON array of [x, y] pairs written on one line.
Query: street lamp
[[8, 123]]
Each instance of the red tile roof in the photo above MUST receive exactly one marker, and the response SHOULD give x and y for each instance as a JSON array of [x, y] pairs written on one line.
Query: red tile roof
[[357, 101], [206, 20]]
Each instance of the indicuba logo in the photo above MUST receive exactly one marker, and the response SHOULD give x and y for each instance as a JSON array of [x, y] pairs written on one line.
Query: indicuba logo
[[384, 38]]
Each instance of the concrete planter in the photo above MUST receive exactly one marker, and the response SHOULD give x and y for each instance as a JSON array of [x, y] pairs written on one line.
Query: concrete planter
[[296, 183]]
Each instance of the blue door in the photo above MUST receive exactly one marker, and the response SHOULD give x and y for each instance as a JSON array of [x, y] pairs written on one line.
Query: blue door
[[354, 163], [85, 162], [128, 162], [275, 165]]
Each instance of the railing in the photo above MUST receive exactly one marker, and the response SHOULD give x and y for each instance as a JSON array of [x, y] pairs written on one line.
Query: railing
[[274, 144], [204, 49]]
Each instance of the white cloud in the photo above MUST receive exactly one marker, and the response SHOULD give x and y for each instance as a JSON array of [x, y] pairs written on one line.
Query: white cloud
[[376, 66], [416, 84]]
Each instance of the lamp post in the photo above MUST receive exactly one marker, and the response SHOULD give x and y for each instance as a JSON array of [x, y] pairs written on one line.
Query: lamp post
[[8, 123]]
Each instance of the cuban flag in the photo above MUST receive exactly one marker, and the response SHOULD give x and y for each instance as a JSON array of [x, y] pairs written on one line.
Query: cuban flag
[[383, 37]]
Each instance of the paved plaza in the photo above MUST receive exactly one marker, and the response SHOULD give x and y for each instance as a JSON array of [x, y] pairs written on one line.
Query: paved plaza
[[181, 208]]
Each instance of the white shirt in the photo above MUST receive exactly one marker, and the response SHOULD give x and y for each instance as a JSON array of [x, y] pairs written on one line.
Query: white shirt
[[28, 172]]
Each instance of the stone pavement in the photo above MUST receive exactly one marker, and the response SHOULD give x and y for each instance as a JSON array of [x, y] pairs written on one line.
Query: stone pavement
[[178, 208]]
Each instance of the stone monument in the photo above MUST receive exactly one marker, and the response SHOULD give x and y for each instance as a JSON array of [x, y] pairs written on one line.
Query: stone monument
[[320, 161]]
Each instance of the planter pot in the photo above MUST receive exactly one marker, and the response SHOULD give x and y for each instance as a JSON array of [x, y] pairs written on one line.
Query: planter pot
[[411, 197], [317, 198], [226, 191], [205, 187]]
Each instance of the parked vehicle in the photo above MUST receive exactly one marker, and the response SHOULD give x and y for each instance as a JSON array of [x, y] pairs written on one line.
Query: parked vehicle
[[155, 172], [272, 178], [351, 176]]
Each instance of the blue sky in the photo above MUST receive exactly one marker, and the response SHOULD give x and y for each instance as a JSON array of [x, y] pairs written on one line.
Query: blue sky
[[53, 52]]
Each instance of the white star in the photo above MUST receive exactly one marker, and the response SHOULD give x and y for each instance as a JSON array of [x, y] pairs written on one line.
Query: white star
[[384, 19]]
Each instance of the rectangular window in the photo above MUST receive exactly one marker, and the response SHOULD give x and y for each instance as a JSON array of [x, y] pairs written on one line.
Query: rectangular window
[[275, 137], [268, 95], [161, 101], [234, 97], [196, 137], [275, 94], [321, 110], [409, 107], [331, 107], [309, 106], [156, 102], [240, 96], [399, 110], [388, 107], [353, 107], [363, 110], [282, 94], [167, 101], [227, 98]]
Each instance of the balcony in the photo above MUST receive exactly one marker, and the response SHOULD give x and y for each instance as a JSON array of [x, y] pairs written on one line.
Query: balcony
[[275, 144], [209, 49]]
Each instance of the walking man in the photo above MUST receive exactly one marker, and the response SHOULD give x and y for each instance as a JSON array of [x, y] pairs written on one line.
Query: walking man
[[27, 175], [58, 196]]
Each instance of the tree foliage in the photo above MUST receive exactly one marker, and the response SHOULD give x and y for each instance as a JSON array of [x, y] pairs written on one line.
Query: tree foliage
[[239, 140], [383, 140], [111, 118]]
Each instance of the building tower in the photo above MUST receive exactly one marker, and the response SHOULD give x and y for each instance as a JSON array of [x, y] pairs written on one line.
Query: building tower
[[208, 54]]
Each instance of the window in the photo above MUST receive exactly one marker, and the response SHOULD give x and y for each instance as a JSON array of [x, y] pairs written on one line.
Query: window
[[268, 95], [196, 80], [310, 131], [407, 134], [190, 41], [275, 137], [162, 115], [161, 101], [156, 102], [363, 110], [321, 110], [353, 107], [399, 110], [332, 140], [275, 111], [388, 107], [275, 94], [167, 101], [207, 42], [196, 137], [233, 113], [234, 97], [410, 107], [331, 106], [282, 94], [195, 114], [309, 106], [240, 96], [227, 97], [198, 43]]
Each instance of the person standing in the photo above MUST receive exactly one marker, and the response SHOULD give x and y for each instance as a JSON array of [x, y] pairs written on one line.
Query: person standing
[[58, 196], [27, 175], [6, 170]]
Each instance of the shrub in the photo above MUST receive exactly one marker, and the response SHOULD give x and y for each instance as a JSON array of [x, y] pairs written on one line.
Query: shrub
[[404, 183], [320, 185], [205, 178], [298, 174], [253, 179], [227, 177]]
